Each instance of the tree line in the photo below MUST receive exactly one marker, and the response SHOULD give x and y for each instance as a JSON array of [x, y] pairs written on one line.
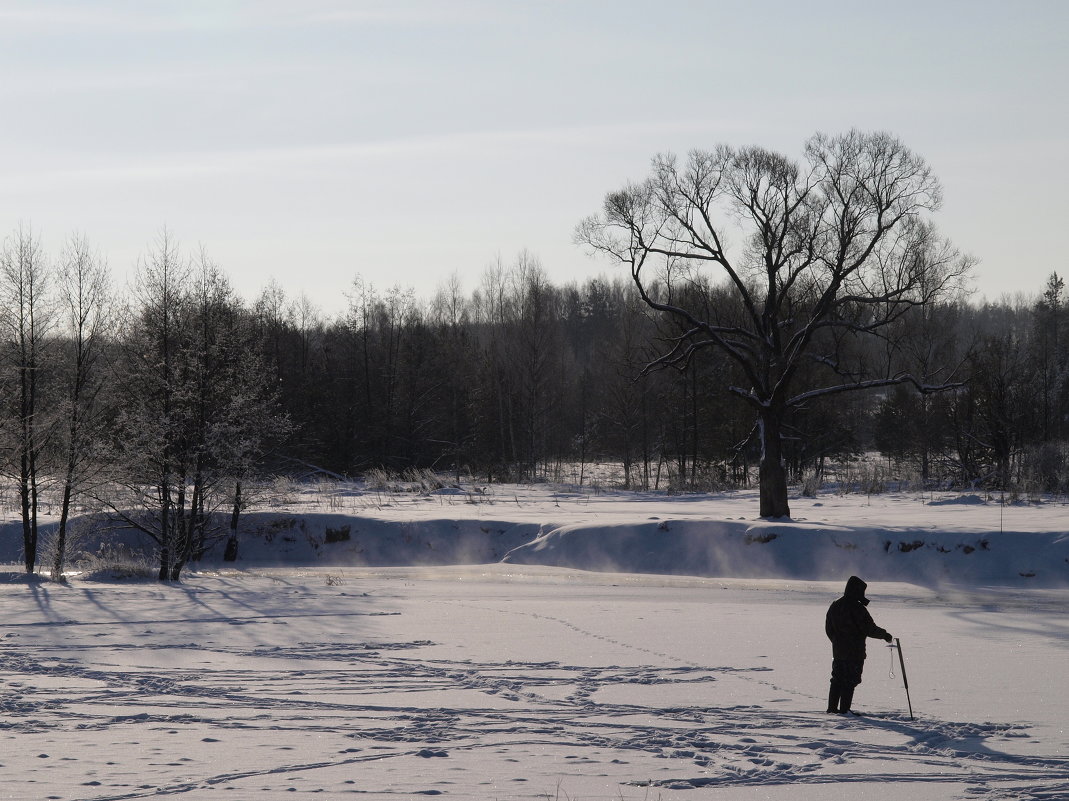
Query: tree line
[[522, 379], [162, 404]]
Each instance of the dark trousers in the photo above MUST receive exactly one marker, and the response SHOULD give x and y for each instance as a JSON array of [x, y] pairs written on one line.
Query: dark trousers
[[846, 673], [845, 676]]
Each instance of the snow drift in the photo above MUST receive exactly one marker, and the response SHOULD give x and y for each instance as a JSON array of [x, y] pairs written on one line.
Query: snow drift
[[925, 539]]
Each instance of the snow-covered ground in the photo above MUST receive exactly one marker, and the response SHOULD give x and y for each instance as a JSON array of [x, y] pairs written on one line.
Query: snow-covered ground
[[594, 646]]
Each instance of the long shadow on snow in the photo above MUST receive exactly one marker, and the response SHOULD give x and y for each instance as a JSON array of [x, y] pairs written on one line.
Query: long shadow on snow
[[765, 746]]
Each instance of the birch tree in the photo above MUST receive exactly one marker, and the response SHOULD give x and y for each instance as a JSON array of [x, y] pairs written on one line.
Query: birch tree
[[84, 289], [28, 320]]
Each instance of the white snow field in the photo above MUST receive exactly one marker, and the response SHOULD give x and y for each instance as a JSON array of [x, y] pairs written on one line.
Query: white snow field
[[594, 646]]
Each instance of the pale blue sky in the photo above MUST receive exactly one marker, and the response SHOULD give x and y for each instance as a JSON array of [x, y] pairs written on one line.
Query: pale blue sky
[[404, 141]]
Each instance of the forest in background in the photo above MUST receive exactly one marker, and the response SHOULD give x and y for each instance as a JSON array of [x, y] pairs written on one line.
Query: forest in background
[[160, 404], [521, 378]]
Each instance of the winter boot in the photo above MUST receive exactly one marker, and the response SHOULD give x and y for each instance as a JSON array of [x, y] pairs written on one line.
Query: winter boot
[[833, 699], [846, 699]]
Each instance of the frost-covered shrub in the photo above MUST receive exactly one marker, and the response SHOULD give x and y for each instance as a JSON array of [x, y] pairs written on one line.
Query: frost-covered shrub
[[283, 490], [1046, 468], [423, 480], [48, 542], [864, 478], [378, 478], [811, 484], [116, 562], [709, 477], [85, 532], [413, 479]]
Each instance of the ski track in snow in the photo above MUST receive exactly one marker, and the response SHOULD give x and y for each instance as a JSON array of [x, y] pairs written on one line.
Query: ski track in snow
[[386, 718]]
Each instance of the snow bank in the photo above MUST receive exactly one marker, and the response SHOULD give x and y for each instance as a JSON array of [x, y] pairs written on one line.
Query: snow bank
[[928, 540], [804, 552], [358, 541], [925, 539]]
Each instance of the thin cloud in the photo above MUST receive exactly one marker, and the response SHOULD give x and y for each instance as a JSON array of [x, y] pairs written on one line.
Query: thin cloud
[[409, 13], [188, 166], [183, 16]]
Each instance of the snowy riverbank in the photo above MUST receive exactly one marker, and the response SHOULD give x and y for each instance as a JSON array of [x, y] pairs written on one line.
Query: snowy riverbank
[[924, 539]]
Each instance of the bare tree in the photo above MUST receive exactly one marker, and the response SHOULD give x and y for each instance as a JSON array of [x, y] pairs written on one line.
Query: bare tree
[[85, 301], [495, 420], [1049, 352], [24, 277], [532, 351], [198, 407], [451, 320], [829, 250], [234, 408], [360, 323], [152, 420]]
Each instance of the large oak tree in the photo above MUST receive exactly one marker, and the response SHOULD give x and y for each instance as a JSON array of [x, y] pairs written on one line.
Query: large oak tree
[[819, 256]]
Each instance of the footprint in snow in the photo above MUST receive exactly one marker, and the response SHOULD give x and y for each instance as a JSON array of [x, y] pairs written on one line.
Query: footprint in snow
[[428, 753]]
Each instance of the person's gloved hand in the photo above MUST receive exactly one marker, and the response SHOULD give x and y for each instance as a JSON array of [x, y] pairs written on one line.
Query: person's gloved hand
[[887, 636]]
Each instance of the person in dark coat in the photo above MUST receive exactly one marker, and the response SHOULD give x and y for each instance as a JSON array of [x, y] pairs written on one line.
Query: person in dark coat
[[847, 624]]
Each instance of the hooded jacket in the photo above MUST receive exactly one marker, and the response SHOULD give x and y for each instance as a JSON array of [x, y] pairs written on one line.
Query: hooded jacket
[[848, 623]]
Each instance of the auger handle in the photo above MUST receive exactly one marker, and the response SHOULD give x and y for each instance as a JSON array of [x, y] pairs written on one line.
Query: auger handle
[[905, 682]]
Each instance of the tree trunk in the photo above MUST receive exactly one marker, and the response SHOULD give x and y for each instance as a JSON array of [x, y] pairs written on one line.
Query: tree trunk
[[189, 528], [64, 515], [772, 472], [231, 553], [165, 530], [29, 532], [646, 455], [27, 463]]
